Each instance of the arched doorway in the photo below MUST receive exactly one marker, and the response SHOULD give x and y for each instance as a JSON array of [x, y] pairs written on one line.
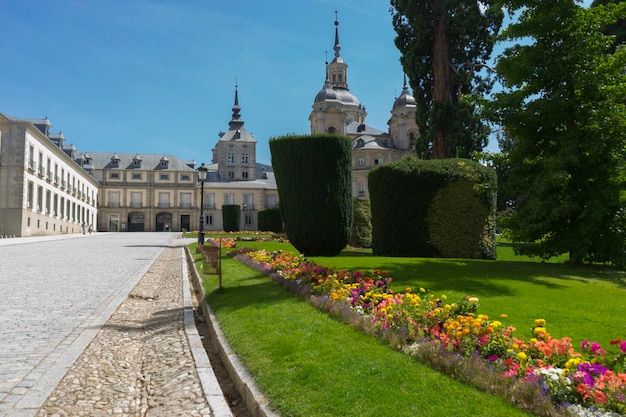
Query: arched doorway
[[163, 222], [136, 222]]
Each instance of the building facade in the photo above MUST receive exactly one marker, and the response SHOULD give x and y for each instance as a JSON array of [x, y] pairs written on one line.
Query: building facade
[[151, 192], [336, 110], [47, 187], [43, 190]]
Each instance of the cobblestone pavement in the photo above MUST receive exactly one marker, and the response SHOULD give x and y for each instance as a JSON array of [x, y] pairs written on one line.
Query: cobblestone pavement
[[140, 363], [56, 295]]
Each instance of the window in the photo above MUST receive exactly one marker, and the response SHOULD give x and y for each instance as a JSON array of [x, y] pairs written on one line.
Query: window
[[62, 207], [136, 176], [29, 195], [185, 177], [164, 200], [361, 161], [244, 158], [164, 177], [39, 198], [48, 198], [185, 200], [378, 161], [271, 201], [114, 199], [55, 204], [229, 198], [209, 200], [248, 201], [231, 158], [135, 199], [209, 220], [231, 175], [361, 189], [244, 174], [114, 175]]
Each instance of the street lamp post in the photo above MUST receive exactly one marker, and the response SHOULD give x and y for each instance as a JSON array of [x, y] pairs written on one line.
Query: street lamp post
[[202, 171], [245, 207]]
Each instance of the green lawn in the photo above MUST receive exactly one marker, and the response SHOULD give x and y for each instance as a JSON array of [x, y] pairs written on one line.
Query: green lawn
[[310, 365]]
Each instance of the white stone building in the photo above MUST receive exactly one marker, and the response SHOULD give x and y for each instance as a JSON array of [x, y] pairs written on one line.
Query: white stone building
[[43, 191]]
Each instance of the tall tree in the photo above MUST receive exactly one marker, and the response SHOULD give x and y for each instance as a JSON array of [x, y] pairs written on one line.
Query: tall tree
[[563, 108], [445, 46], [618, 29]]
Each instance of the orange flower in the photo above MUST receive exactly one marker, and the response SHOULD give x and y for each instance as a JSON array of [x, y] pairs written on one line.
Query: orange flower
[[599, 397]]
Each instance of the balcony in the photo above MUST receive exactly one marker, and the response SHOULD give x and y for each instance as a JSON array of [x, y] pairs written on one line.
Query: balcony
[[164, 205], [32, 165], [135, 205], [113, 205], [49, 176], [41, 171]]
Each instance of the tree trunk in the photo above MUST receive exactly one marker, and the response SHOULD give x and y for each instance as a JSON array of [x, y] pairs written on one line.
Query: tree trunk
[[442, 75]]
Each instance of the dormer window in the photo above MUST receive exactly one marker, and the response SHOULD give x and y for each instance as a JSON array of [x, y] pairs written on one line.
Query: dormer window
[[164, 162], [115, 161], [136, 161]]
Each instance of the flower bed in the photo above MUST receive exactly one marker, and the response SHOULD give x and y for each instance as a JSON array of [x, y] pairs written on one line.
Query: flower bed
[[431, 328]]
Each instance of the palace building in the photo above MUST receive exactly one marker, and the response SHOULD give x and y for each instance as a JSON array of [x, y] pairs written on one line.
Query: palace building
[[337, 110]]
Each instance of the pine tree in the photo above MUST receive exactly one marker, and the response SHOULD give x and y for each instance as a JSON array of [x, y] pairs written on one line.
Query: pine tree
[[445, 46]]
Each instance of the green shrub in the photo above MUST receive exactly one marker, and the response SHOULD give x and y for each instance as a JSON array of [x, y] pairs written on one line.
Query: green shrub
[[433, 208], [362, 224], [270, 220], [231, 217], [314, 179]]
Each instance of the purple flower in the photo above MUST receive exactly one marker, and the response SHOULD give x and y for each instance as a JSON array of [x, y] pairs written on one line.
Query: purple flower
[[588, 372]]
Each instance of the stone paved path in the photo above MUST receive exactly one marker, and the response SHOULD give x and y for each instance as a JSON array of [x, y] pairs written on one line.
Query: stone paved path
[[140, 363], [56, 295]]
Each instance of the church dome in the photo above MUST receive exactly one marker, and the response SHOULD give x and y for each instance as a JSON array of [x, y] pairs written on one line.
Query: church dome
[[405, 99], [326, 93], [342, 95]]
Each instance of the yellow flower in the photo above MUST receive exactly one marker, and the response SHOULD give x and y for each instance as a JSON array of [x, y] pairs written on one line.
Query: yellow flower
[[540, 322], [573, 363], [473, 300], [539, 330], [422, 290], [408, 289], [503, 316], [443, 297], [521, 356]]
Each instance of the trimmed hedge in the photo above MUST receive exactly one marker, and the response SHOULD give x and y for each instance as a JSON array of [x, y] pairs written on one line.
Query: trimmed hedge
[[231, 217], [433, 208], [270, 220], [362, 224], [314, 179]]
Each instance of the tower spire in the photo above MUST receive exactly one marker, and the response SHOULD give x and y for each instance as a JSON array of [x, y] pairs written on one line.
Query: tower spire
[[236, 121], [337, 47]]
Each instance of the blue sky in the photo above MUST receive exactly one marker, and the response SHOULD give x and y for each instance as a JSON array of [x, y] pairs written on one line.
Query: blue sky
[[158, 76]]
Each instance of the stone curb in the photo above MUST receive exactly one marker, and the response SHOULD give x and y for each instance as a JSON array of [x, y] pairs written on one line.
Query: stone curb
[[254, 399], [212, 391]]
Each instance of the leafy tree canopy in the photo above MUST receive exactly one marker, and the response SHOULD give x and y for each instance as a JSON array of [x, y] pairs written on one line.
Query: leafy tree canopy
[[563, 106], [445, 46]]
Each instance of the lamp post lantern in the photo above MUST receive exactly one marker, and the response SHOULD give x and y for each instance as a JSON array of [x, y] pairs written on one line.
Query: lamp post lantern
[[202, 171]]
